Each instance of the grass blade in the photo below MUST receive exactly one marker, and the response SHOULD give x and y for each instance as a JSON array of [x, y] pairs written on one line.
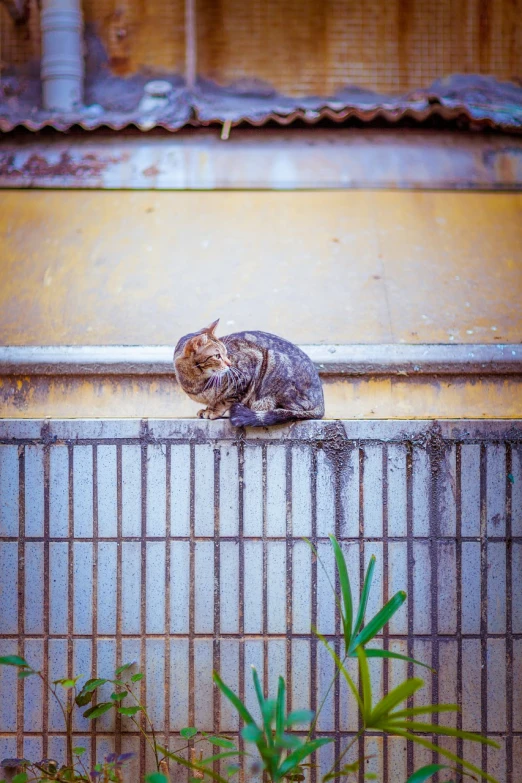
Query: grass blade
[[443, 752], [340, 666], [426, 772], [446, 731], [427, 710], [365, 592], [375, 653], [346, 592], [191, 764], [231, 696], [366, 684], [280, 708], [301, 753], [379, 621], [394, 697]]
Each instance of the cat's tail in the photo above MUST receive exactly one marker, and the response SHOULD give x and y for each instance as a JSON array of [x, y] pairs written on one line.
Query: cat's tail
[[241, 416]]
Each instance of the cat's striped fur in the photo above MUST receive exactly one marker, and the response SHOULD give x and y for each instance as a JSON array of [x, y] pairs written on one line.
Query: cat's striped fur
[[261, 379]]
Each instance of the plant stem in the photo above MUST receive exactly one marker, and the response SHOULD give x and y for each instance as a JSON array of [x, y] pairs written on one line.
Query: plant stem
[[345, 751], [152, 730], [67, 716]]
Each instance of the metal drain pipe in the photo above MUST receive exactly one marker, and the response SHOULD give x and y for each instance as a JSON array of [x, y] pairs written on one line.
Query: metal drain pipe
[[62, 65]]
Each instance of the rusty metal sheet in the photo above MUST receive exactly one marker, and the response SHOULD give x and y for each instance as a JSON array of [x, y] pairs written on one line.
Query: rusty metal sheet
[[480, 101], [275, 159]]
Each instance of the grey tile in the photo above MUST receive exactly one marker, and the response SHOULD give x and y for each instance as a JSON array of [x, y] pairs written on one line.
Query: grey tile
[[301, 588], [9, 587], [517, 685], [496, 587], [58, 587], [372, 491], [301, 491], [107, 587], [34, 491], [179, 674], [20, 429], [421, 598], [516, 490], [8, 687], [106, 477], [471, 587], [204, 587], [275, 491], [470, 490], [516, 576], [496, 684], [34, 588], [253, 491], [204, 490], [83, 588], [180, 490], [82, 664], [398, 580], [420, 492], [179, 586], [325, 495], [131, 490], [471, 685], [229, 586], [59, 491], [397, 523], [253, 601], [83, 491], [325, 579], [204, 693], [229, 665], [9, 490], [496, 489], [155, 579], [228, 491], [155, 681], [276, 587], [156, 490], [448, 493], [447, 587], [131, 587], [350, 495]]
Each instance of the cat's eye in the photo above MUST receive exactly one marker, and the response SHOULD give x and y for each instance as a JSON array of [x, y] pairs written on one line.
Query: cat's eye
[[217, 356]]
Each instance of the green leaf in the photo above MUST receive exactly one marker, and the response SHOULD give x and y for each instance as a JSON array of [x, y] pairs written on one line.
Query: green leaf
[[365, 593], [25, 673], [370, 776], [301, 753], [348, 769], [67, 683], [346, 592], [426, 772], [511, 478], [22, 777], [188, 732], [441, 750], [119, 696], [156, 777], [130, 711], [98, 709], [78, 751], [366, 684], [221, 742], [137, 677], [379, 621], [288, 741], [445, 731], [123, 668], [218, 756], [91, 685], [395, 696], [340, 666], [231, 696], [299, 716], [280, 707], [410, 712], [376, 653], [12, 660], [251, 732]]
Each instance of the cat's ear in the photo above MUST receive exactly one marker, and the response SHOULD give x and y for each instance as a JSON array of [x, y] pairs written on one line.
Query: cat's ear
[[195, 344], [210, 330]]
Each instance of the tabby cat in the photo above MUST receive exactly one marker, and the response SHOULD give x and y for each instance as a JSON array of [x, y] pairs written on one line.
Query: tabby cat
[[259, 378]]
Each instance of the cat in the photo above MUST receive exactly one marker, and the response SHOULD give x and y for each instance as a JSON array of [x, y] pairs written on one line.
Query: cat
[[256, 377]]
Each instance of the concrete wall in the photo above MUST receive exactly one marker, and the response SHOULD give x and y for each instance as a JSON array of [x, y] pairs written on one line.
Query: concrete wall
[[179, 545]]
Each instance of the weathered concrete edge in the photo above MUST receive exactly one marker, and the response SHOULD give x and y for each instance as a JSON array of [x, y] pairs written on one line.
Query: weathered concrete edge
[[204, 431], [330, 360]]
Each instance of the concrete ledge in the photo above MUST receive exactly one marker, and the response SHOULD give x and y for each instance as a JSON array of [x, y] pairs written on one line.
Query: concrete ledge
[[330, 360]]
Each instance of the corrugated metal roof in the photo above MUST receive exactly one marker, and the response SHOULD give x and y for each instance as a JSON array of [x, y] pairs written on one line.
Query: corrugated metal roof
[[481, 100]]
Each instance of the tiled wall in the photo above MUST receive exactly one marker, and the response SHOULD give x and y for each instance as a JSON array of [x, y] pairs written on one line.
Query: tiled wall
[[178, 545]]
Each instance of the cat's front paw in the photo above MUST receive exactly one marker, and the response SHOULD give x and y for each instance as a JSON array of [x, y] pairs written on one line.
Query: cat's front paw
[[208, 413]]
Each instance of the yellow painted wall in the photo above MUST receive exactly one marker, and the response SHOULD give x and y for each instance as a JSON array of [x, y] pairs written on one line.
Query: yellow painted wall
[[110, 267]]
